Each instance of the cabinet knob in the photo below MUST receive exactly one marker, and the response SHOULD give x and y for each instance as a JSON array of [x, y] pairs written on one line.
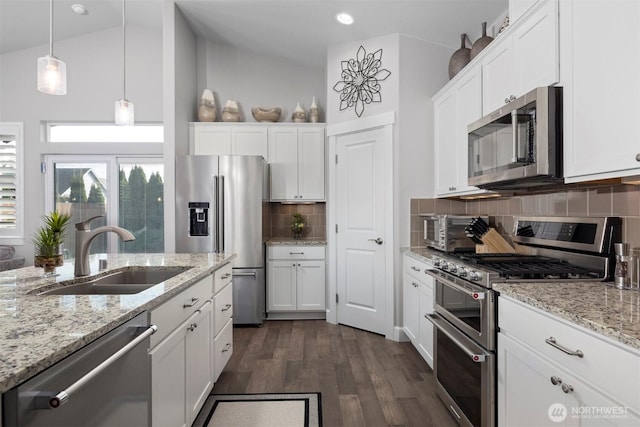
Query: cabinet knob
[[555, 380], [567, 388], [638, 157]]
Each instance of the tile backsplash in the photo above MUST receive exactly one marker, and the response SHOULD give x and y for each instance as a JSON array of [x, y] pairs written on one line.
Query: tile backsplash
[[578, 200], [282, 216]]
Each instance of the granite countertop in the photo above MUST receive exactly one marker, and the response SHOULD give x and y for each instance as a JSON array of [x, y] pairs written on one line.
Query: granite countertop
[[597, 306], [419, 253], [291, 241], [38, 331]]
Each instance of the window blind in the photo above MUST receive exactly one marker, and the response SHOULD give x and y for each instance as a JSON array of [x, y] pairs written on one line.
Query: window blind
[[8, 182]]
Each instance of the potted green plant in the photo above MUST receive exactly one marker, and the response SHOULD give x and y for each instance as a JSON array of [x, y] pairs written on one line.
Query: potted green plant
[[297, 225], [48, 240]]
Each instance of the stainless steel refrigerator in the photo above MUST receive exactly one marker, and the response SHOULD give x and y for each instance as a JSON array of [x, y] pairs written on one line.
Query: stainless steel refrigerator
[[221, 207]]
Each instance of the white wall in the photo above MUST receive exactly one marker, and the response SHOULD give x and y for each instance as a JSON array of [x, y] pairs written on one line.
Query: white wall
[[94, 83], [254, 80]]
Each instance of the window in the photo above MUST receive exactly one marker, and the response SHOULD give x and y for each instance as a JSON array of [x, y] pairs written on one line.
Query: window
[[11, 184], [89, 133], [125, 191]]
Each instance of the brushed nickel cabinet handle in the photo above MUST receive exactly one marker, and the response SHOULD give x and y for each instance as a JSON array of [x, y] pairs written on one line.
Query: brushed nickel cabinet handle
[[194, 301], [553, 343]]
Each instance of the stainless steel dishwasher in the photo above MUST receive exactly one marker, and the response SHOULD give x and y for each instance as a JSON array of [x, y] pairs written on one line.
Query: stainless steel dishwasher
[[106, 383]]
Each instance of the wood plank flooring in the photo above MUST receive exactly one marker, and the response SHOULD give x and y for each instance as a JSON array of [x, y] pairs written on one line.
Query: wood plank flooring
[[365, 380]]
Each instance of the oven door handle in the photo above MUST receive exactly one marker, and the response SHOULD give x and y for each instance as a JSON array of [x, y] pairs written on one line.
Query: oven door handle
[[476, 355], [473, 294]]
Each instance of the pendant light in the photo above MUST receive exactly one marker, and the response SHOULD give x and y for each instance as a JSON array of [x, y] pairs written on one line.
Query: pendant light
[[52, 72], [124, 108]]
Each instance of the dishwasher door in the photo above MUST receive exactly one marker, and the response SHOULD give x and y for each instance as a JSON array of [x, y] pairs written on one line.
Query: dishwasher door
[[119, 395]]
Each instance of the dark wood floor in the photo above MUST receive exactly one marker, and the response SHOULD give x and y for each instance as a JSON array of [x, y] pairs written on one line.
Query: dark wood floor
[[365, 380]]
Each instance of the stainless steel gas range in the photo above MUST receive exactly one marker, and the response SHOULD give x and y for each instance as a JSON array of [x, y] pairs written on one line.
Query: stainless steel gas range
[[465, 315]]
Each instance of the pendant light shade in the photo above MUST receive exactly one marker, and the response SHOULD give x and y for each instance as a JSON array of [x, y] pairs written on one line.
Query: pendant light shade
[[52, 72], [124, 108], [124, 113]]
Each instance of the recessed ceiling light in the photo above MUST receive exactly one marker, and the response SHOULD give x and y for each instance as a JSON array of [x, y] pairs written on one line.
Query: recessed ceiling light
[[79, 9], [344, 18]]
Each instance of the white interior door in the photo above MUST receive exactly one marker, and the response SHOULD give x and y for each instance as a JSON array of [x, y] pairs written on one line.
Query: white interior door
[[360, 241]]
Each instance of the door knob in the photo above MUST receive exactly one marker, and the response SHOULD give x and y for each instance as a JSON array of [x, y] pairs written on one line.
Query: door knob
[[378, 240]]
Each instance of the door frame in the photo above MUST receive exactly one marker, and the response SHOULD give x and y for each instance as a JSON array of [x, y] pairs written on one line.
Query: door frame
[[386, 121]]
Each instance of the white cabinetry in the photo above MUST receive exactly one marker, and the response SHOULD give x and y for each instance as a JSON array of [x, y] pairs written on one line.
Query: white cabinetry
[[517, 8], [601, 88], [600, 388], [185, 352], [454, 110], [297, 163], [417, 302], [296, 279], [225, 139], [524, 58]]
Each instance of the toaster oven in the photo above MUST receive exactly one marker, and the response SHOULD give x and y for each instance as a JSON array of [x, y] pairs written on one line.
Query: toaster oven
[[446, 232]]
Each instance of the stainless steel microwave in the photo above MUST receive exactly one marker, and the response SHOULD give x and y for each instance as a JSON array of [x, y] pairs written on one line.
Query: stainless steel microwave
[[519, 145]]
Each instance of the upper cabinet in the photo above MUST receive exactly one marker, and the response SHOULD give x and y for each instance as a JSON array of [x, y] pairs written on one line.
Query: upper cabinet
[[600, 74], [297, 163], [522, 59], [220, 139], [453, 110]]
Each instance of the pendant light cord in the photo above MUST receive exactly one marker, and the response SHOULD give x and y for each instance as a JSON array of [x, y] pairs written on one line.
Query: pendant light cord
[[50, 27], [124, 55]]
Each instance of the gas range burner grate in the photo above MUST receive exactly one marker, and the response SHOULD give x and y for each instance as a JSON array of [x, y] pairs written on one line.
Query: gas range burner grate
[[541, 270]]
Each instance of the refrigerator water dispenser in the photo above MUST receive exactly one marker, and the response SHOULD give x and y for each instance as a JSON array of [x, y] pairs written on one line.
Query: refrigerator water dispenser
[[198, 218]]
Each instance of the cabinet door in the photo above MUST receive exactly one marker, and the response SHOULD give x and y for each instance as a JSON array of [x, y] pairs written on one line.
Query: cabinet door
[[283, 163], [281, 285], [311, 285], [445, 135], [601, 125], [498, 81], [199, 369], [311, 156], [212, 140], [168, 381], [525, 391], [411, 308], [250, 141], [425, 339], [536, 50], [469, 109]]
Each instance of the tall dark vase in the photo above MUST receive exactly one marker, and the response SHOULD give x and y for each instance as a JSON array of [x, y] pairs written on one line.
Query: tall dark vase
[[460, 57], [482, 42]]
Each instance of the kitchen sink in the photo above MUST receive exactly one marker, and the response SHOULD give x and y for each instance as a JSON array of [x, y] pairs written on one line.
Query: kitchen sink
[[122, 282]]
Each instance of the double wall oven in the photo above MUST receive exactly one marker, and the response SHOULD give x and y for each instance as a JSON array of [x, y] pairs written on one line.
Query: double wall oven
[[465, 315]]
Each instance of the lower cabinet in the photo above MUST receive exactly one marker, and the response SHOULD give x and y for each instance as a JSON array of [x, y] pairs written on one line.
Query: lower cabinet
[[541, 385], [417, 302], [181, 371], [191, 348], [296, 279]]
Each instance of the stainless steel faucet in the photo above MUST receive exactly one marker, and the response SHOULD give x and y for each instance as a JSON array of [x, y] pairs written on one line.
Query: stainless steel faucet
[[84, 237]]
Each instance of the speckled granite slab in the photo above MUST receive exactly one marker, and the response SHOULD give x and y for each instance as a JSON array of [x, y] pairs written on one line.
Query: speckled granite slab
[[419, 253], [291, 241], [38, 331], [596, 306]]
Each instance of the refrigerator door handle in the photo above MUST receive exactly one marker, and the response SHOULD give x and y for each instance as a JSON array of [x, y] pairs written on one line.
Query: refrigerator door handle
[[222, 224], [216, 201]]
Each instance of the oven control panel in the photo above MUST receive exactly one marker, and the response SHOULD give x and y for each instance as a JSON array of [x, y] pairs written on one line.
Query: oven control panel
[[460, 269]]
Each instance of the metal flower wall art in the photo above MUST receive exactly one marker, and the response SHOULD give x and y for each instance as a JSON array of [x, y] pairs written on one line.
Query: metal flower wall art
[[360, 80]]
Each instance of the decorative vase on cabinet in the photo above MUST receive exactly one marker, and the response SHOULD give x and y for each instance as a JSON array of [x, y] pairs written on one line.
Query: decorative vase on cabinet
[[460, 57], [481, 43]]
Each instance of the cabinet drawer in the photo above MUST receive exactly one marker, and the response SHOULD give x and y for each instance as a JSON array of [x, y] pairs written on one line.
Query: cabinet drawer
[[223, 348], [175, 311], [223, 307], [414, 267], [222, 277], [295, 252], [609, 368]]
